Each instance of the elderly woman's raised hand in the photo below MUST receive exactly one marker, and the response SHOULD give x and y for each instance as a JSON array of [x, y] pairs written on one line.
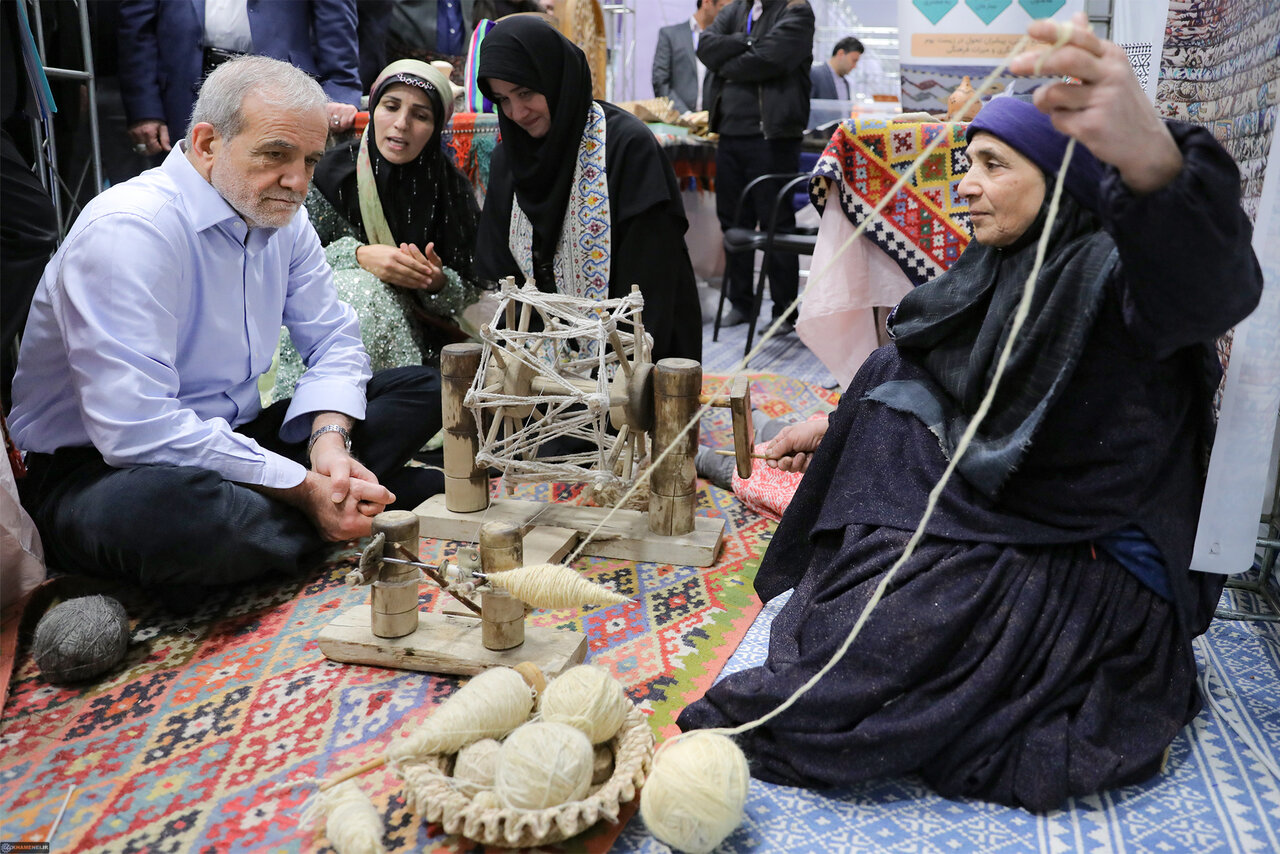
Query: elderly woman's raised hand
[[1107, 109]]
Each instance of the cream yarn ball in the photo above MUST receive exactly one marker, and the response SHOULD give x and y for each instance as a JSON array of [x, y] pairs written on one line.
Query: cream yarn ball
[[589, 698], [543, 765], [477, 762], [491, 705], [696, 792]]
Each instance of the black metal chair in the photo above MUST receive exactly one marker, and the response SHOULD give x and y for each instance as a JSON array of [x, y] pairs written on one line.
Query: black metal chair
[[739, 238]]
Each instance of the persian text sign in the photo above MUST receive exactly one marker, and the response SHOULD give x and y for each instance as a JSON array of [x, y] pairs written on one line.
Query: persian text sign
[[968, 46]]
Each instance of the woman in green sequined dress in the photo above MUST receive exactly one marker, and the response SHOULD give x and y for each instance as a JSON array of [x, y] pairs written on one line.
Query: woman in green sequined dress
[[398, 223]]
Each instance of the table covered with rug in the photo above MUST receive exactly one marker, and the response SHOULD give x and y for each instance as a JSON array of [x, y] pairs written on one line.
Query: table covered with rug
[[470, 137], [917, 235], [215, 730]]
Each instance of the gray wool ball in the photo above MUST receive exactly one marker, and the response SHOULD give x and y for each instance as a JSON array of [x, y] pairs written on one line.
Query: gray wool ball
[[80, 639]]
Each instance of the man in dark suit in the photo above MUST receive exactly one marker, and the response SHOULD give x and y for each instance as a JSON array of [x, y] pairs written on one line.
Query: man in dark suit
[[759, 104], [677, 73], [828, 78], [167, 47]]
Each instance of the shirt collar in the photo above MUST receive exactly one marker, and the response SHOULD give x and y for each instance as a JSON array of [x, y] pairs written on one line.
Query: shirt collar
[[693, 25]]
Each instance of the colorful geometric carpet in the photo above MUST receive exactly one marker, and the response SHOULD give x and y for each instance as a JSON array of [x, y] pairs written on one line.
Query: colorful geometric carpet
[[926, 226], [210, 736]]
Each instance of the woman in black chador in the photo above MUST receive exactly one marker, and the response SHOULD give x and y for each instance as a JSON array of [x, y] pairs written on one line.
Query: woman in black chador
[[1037, 643], [581, 198]]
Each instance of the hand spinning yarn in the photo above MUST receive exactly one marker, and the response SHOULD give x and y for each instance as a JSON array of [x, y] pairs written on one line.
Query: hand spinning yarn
[[695, 793]]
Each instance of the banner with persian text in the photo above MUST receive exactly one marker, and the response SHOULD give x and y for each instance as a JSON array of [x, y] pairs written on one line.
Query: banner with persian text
[[943, 41]]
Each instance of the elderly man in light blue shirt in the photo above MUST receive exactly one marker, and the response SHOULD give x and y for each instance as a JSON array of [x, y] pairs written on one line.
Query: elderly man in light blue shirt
[[136, 396]]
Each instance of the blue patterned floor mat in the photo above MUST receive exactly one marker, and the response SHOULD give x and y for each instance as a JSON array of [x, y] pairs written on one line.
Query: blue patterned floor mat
[[1220, 792]]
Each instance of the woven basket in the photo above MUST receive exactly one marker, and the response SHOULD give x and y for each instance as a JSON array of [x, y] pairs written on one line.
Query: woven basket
[[433, 794]]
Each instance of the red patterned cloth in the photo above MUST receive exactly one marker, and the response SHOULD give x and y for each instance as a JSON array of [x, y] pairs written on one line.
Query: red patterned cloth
[[926, 227], [768, 491]]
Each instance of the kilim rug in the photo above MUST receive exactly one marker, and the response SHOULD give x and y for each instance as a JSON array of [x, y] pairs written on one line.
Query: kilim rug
[[926, 226], [1219, 793], [210, 736], [1221, 68]]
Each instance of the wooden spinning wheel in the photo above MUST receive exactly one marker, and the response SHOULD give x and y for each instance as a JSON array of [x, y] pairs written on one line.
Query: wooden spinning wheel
[[582, 22], [585, 370]]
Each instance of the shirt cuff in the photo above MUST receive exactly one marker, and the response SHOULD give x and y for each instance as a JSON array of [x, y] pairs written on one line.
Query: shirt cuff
[[320, 396], [282, 472]]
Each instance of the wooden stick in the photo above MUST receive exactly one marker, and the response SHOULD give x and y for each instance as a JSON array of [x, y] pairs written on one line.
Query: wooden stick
[[725, 452], [354, 772], [437, 578]]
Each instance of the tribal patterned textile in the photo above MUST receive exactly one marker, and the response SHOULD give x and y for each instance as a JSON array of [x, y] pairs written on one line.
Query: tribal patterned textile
[[215, 730], [469, 140], [926, 227], [586, 233], [1221, 68]]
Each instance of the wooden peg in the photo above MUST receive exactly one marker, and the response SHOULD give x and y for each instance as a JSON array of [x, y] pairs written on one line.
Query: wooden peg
[[393, 601], [466, 485], [673, 483], [501, 614]]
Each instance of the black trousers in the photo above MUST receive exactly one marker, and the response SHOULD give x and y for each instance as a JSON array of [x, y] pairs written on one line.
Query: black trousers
[[164, 524], [739, 159]]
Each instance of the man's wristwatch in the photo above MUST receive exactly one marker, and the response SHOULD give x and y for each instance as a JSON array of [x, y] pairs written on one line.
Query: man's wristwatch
[[329, 428]]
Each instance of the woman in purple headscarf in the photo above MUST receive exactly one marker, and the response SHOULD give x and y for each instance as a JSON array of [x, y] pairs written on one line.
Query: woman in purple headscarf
[[1037, 643]]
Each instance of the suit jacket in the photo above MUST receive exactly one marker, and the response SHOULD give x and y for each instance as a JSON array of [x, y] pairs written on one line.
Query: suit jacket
[[823, 84], [675, 68], [413, 23], [162, 43]]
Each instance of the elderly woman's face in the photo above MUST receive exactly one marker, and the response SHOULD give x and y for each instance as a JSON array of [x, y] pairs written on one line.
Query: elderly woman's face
[[522, 105], [403, 123], [1003, 188]]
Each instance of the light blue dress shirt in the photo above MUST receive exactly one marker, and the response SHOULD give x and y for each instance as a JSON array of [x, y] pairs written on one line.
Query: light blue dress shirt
[[154, 320]]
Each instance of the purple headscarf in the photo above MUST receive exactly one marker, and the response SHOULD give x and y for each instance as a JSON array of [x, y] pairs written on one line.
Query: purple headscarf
[[1021, 124]]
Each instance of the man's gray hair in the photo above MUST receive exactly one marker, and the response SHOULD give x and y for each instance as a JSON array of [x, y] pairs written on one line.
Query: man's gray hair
[[277, 83]]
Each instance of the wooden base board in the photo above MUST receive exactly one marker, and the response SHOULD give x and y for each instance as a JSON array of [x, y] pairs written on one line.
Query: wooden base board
[[546, 544], [447, 643], [626, 535]]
